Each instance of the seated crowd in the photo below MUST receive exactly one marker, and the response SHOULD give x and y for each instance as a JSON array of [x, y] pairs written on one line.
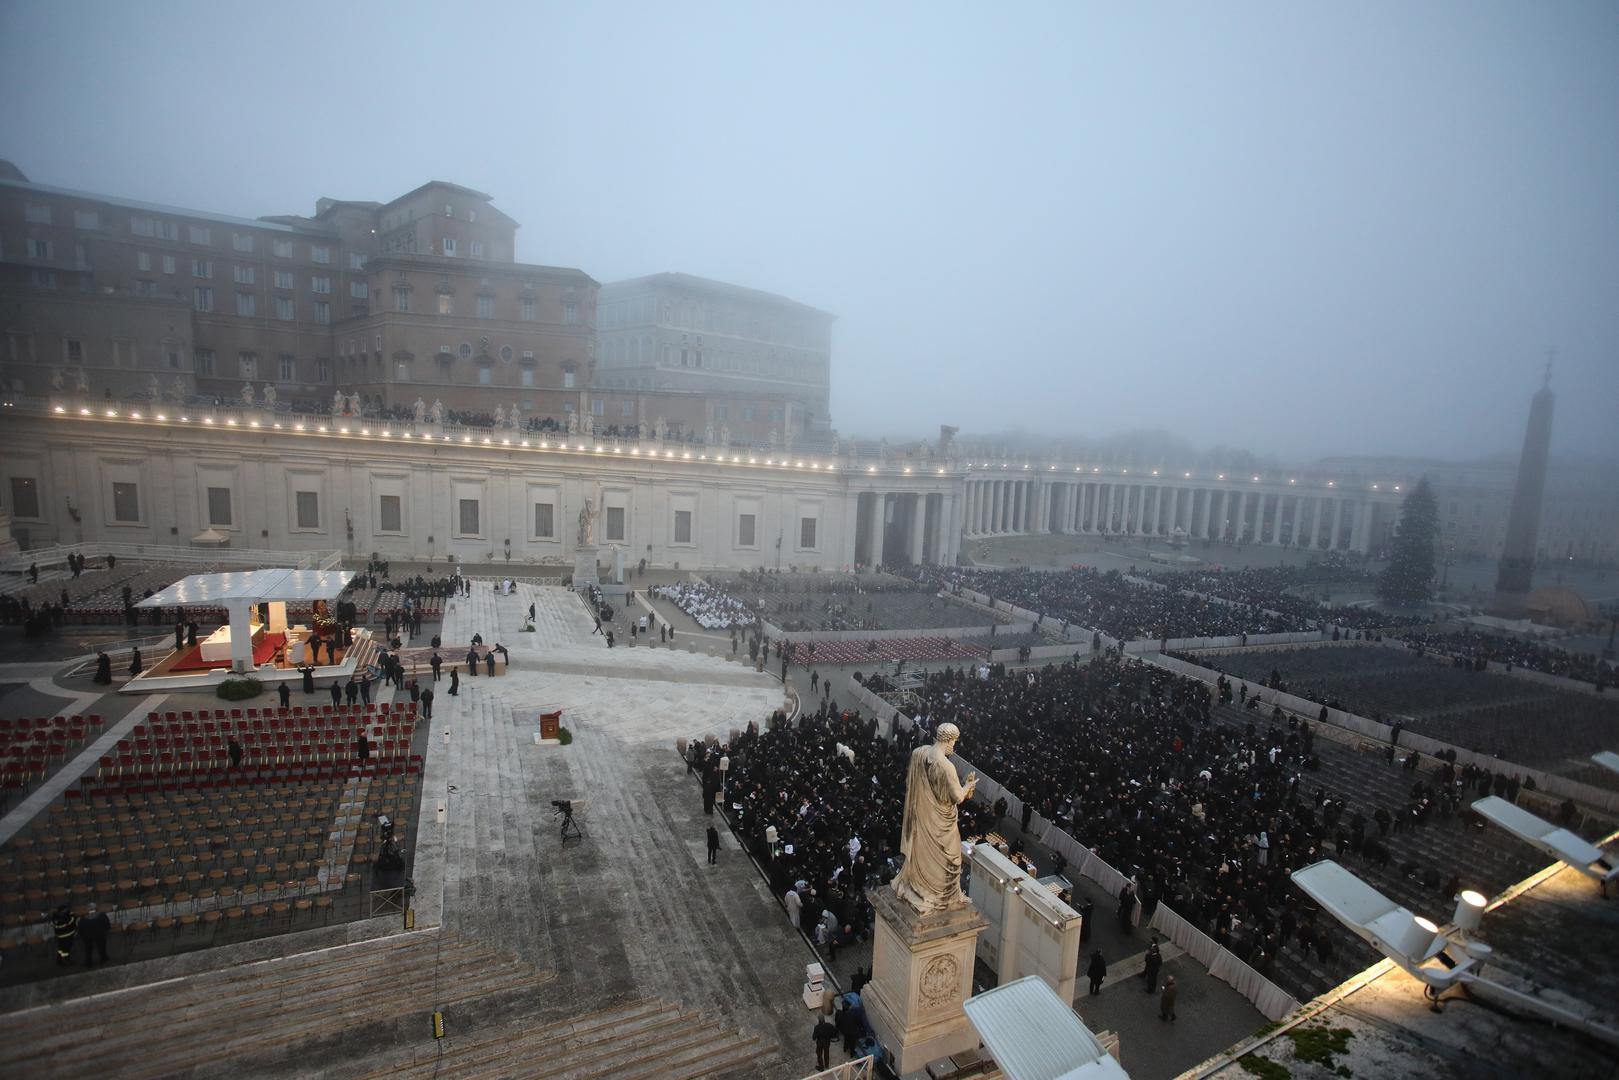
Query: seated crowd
[[1115, 605], [1489, 712], [1272, 588], [834, 789], [799, 603], [1516, 652], [710, 606]]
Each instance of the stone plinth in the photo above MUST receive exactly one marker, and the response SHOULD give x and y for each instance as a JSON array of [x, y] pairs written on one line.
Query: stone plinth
[[922, 971], [584, 566]]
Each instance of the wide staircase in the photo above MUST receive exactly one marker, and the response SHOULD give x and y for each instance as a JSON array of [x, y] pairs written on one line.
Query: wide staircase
[[636, 1040], [286, 1015]]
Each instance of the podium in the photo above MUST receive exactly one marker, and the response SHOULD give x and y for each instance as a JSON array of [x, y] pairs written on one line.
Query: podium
[[550, 724]]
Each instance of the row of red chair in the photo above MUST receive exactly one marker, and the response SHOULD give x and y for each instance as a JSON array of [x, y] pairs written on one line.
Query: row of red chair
[[877, 650], [244, 777], [290, 711], [46, 723]]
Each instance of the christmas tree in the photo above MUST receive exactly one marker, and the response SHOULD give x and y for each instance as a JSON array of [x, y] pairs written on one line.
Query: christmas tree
[[1408, 578]]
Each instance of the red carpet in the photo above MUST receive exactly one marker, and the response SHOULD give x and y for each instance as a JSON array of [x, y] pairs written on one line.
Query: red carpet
[[191, 659]]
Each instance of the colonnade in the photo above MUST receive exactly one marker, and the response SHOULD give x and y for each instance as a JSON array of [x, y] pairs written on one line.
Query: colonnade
[[1268, 514]]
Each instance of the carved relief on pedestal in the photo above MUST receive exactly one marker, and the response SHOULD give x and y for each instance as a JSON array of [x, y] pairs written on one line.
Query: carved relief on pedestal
[[940, 983]]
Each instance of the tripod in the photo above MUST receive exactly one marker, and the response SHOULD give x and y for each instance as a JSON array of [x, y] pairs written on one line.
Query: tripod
[[563, 809]]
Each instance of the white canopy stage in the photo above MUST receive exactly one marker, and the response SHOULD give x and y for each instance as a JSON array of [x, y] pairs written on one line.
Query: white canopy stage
[[239, 592], [1607, 759]]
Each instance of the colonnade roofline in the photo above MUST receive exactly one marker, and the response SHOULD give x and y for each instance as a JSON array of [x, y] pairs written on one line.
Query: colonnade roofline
[[1293, 480], [574, 445]]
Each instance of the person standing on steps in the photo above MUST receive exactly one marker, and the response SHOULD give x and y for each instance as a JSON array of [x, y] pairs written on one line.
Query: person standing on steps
[[1097, 971], [713, 845], [283, 694], [95, 927], [437, 661], [455, 682], [337, 692], [427, 702]]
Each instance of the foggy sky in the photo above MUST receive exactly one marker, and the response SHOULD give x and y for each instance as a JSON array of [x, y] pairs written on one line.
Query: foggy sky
[[1302, 229]]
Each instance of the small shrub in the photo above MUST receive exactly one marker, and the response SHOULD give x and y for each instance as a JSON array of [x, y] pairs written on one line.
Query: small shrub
[[240, 688], [564, 736], [1264, 1067]]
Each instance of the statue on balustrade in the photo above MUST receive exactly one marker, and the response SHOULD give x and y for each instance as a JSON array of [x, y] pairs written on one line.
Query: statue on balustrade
[[930, 838]]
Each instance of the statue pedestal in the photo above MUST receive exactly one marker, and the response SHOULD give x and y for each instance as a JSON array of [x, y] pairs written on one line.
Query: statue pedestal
[[922, 972], [584, 566]]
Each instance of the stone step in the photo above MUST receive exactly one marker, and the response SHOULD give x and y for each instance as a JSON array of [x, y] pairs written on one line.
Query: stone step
[[165, 1028], [529, 1043]]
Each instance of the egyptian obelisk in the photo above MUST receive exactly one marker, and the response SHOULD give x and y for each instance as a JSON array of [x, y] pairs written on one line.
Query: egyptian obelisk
[[1514, 578]]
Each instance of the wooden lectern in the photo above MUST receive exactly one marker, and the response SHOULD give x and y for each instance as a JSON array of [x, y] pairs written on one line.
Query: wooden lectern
[[550, 723]]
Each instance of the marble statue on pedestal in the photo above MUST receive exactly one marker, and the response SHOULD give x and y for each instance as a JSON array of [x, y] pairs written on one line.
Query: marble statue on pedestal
[[772, 439], [708, 434], [587, 525], [57, 382], [500, 416], [662, 429], [590, 423], [153, 390], [177, 389], [725, 434], [337, 402], [420, 410], [515, 417], [354, 404], [82, 380], [573, 423], [269, 396], [247, 395], [436, 413], [929, 836]]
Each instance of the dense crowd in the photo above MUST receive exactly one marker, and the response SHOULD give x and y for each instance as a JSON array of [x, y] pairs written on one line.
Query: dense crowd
[[834, 790], [1516, 652], [709, 606], [1115, 605], [1276, 588], [1209, 817], [799, 603]]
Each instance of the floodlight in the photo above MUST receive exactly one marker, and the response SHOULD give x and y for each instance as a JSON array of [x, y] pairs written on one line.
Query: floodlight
[[1559, 843]]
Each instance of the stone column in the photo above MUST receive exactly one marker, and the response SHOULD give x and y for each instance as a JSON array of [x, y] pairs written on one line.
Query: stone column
[[1337, 523], [1174, 510], [851, 528], [1315, 522], [1112, 490], [881, 524], [1157, 509], [919, 524], [944, 546]]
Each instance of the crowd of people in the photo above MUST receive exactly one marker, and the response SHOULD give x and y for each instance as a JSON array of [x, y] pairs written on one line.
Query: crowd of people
[[710, 606], [1286, 591], [1514, 652], [1451, 701], [832, 789], [1113, 604], [800, 603]]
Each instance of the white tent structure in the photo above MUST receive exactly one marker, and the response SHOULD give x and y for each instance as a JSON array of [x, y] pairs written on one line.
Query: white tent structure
[[240, 593], [1033, 1035], [1607, 759], [1554, 840]]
